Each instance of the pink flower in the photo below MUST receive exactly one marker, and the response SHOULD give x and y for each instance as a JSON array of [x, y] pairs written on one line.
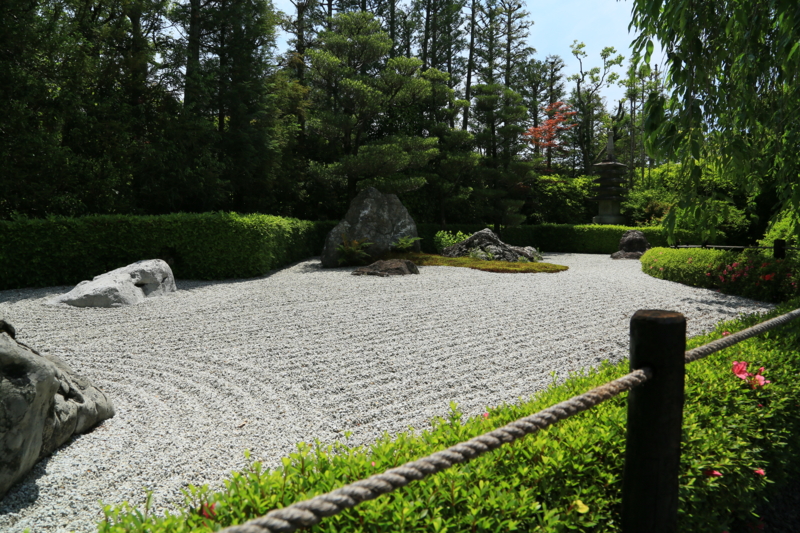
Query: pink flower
[[726, 333], [760, 472], [373, 463], [754, 380], [740, 369], [485, 415], [712, 473], [760, 381]]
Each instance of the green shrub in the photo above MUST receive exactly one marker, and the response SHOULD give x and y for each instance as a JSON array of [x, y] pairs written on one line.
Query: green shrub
[[783, 228], [752, 273], [64, 251], [565, 478], [353, 252], [405, 244], [558, 199], [443, 239]]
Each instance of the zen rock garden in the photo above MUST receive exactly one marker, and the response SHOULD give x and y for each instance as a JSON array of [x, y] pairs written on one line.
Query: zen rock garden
[[44, 403]]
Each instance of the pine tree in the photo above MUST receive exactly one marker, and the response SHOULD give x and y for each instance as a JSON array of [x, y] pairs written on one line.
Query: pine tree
[[586, 99]]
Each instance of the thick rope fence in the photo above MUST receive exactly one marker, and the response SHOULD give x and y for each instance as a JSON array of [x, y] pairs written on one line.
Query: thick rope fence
[[309, 512]]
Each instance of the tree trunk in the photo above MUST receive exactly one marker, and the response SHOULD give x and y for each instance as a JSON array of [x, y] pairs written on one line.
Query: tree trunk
[[470, 63], [393, 26], [426, 34], [191, 89]]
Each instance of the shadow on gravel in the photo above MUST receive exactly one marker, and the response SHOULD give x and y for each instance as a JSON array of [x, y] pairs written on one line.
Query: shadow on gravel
[[721, 300], [24, 493], [13, 296]]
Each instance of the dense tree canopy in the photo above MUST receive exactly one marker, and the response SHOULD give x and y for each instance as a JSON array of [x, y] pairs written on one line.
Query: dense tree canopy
[[156, 106], [734, 101]]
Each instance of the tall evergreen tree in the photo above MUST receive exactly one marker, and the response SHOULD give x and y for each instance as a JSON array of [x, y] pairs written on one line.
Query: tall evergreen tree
[[586, 99], [350, 62]]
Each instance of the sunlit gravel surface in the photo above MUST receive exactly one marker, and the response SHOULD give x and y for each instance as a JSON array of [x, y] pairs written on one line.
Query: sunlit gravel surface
[[303, 353]]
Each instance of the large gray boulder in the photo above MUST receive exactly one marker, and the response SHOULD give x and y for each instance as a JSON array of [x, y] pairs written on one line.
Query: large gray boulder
[[486, 245], [128, 285], [372, 217], [632, 245], [42, 404]]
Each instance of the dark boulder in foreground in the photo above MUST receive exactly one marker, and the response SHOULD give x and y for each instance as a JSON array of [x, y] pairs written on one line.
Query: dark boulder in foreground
[[43, 403]]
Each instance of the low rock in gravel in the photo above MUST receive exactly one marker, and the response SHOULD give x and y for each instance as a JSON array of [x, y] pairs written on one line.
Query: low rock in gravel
[[128, 285], [632, 245], [42, 404], [487, 245], [390, 267]]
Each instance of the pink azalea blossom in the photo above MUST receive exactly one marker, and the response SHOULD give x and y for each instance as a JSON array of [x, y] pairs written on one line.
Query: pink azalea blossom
[[740, 369], [485, 415], [726, 333], [760, 381], [760, 472], [373, 463], [754, 380], [712, 473]]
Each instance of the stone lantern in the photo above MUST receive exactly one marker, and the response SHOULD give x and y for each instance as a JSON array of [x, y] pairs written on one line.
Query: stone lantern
[[610, 188]]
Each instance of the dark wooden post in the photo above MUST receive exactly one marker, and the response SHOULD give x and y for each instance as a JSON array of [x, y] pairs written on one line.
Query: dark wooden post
[[655, 415], [779, 249]]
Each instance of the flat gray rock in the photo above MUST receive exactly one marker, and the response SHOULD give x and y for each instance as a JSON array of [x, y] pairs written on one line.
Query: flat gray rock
[[42, 404], [128, 285], [390, 267]]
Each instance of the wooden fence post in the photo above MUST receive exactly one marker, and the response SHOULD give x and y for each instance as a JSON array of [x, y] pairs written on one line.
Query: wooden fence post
[[655, 415], [779, 249]]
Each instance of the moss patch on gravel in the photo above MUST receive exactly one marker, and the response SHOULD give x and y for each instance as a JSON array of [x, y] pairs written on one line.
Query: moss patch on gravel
[[421, 259]]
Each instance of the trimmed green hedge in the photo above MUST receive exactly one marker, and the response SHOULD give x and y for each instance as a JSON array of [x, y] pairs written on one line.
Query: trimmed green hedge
[[752, 273], [65, 251], [567, 238]]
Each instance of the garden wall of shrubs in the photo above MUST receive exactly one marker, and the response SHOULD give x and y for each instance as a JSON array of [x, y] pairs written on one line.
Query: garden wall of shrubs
[[65, 251]]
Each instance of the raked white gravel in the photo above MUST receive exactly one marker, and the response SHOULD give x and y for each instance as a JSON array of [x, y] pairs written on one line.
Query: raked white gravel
[[303, 353]]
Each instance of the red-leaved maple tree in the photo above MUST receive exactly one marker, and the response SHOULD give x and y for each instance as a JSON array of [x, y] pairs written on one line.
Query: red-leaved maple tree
[[547, 135]]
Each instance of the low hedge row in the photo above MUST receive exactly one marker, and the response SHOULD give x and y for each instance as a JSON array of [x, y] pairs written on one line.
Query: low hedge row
[[737, 441], [64, 251], [753, 273], [565, 238]]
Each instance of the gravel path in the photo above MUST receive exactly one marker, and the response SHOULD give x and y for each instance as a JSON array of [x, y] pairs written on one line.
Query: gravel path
[[201, 375]]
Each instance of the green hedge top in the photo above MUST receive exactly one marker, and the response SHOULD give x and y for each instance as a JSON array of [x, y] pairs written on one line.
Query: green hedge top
[[64, 251], [565, 238], [751, 273]]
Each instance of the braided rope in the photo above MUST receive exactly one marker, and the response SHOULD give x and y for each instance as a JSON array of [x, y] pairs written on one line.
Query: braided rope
[[726, 342], [309, 512]]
